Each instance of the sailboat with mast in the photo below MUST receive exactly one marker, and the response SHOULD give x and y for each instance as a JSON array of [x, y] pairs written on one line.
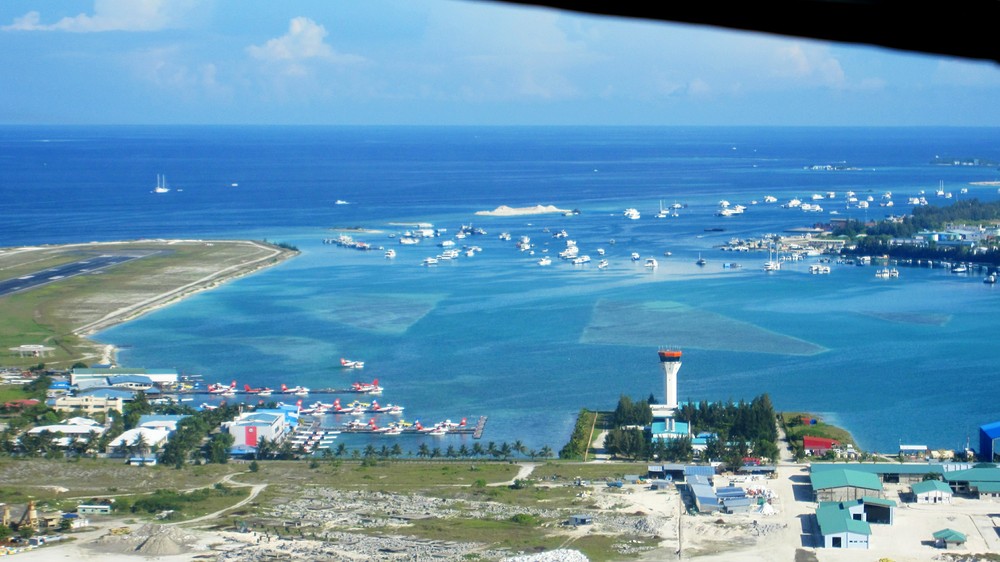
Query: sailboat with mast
[[161, 184]]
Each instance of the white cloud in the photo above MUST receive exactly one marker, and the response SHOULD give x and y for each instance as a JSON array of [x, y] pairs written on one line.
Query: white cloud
[[166, 69], [112, 15], [304, 40]]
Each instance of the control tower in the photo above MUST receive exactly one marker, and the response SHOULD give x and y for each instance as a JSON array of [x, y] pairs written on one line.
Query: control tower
[[670, 362]]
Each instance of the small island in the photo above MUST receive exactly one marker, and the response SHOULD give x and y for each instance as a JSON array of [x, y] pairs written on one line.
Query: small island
[[505, 211]]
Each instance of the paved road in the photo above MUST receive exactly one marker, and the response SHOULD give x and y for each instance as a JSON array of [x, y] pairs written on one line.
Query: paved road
[[83, 267]]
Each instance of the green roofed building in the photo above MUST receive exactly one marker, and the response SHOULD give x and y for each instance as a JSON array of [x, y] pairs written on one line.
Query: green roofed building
[[841, 526], [843, 485], [931, 491], [981, 482], [944, 537]]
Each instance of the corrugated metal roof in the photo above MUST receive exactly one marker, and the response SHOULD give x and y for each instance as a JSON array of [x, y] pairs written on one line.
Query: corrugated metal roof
[[871, 500], [950, 535], [930, 486], [833, 519], [841, 478], [974, 474], [890, 467], [991, 429], [691, 470]]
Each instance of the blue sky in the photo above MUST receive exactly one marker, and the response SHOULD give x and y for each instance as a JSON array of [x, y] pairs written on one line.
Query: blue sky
[[450, 62]]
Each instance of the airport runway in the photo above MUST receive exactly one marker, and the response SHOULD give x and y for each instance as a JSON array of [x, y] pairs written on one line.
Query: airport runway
[[88, 266]]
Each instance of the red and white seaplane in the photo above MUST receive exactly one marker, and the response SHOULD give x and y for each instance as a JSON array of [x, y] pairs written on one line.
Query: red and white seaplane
[[367, 388], [354, 408], [348, 364], [376, 408], [296, 390], [262, 391], [221, 389]]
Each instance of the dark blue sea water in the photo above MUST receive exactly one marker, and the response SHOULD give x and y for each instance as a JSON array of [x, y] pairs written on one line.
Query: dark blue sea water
[[909, 360]]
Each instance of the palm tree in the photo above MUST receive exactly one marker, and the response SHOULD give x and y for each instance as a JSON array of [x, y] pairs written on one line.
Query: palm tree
[[519, 447], [423, 451], [545, 452], [477, 449], [341, 450]]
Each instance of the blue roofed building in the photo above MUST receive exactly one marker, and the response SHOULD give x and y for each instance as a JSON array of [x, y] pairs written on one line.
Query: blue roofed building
[[988, 446]]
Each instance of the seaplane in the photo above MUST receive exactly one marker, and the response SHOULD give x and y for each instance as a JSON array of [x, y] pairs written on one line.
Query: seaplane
[[354, 408], [376, 429], [376, 408], [261, 391], [356, 424], [316, 409], [219, 388], [348, 364], [296, 390], [367, 388]]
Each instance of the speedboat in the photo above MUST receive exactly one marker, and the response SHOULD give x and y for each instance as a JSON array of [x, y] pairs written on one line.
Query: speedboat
[[651, 263], [390, 253], [581, 260], [701, 260], [603, 264], [429, 261], [545, 261], [635, 256]]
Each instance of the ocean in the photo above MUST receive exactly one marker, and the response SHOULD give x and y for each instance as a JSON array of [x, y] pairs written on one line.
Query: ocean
[[906, 360]]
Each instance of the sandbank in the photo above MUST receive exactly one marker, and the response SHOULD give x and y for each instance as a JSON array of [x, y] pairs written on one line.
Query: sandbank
[[505, 211]]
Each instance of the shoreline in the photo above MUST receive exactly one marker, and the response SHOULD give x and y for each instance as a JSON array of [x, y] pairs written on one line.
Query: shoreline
[[87, 309], [206, 283]]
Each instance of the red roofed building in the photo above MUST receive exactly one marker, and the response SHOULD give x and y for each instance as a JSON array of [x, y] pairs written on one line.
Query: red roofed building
[[18, 404], [818, 446]]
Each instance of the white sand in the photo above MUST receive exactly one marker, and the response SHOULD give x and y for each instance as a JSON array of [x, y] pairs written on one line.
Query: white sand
[[505, 211]]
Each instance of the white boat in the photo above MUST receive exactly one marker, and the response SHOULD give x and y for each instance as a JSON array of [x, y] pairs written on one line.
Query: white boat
[[959, 268], [390, 253], [701, 260], [581, 260], [161, 184], [408, 240], [663, 212], [430, 261], [631, 213], [635, 256], [600, 251], [990, 279], [603, 264], [651, 263], [545, 261]]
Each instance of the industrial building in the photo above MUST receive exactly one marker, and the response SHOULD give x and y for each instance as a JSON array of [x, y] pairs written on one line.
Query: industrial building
[[844, 484], [841, 525], [931, 491], [988, 436], [157, 376]]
